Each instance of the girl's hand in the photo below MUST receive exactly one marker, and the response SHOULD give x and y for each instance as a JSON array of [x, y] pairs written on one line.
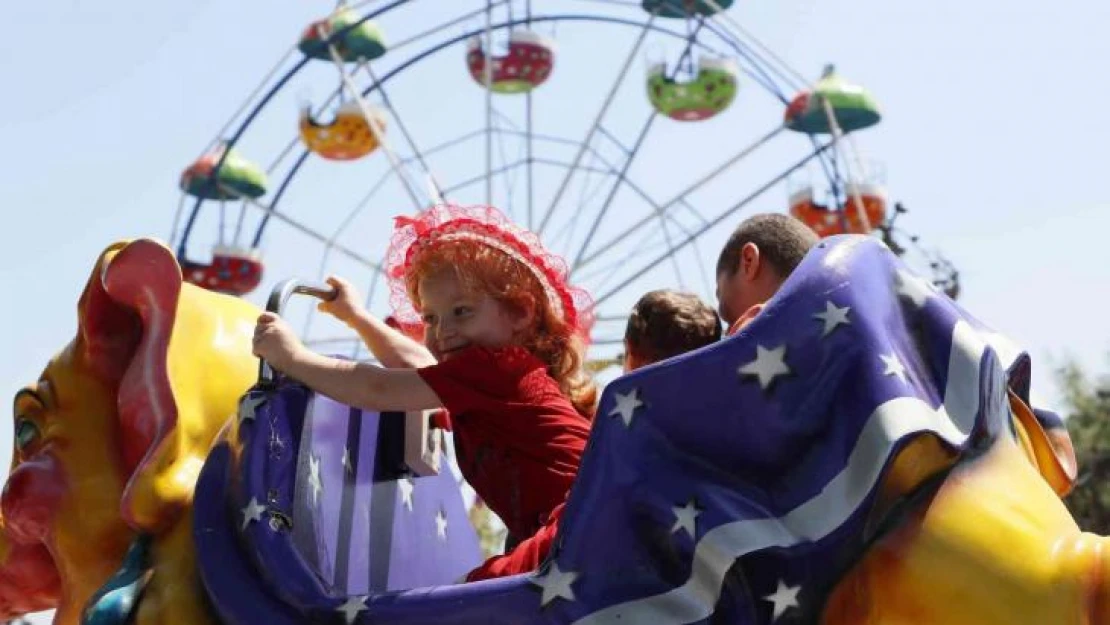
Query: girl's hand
[[346, 306], [275, 342]]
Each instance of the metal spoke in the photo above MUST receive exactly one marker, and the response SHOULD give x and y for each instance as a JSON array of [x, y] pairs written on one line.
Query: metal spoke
[[294, 142], [177, 217], [481, 177], [588, 191], [610, 271], [603, 131], [671, 249], [721, 16], [758, 73], [500, 121], [507, 178], [597, 122], [408, 137], [728, 213], [487, 81], [359, 207], [680, 196], [608, 169], [511, 166], [253, 94], [621, 177], [330, 245], [393, 48], [851, 193], [371, 120], [450, 143], [648, 242], [530, 174], [303, 229], [702, 271], [631, 155], [528, 132], [692, 210]]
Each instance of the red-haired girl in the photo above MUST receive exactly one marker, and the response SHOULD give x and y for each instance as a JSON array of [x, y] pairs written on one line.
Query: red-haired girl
[[505, 336]]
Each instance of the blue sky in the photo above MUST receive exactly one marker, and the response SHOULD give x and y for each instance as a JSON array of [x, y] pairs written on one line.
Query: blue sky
[[991, 137]]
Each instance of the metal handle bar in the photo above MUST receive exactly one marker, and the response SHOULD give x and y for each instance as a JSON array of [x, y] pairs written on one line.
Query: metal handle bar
[[279, 297]]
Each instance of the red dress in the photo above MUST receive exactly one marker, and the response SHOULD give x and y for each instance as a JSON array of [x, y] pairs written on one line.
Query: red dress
[[518, 440]]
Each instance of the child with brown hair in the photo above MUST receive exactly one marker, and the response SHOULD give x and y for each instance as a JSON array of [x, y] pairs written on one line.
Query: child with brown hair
[[667, 323], [505, 337]]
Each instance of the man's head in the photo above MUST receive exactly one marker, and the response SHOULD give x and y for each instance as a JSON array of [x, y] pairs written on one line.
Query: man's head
[[667, 323], [757, 259]]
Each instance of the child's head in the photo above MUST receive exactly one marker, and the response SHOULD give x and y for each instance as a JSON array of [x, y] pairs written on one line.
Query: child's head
[[757, 259], [667, 323], [474, 278]]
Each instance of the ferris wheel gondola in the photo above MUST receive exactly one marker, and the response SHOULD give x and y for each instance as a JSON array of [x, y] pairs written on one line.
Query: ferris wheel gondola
[[527, 64]]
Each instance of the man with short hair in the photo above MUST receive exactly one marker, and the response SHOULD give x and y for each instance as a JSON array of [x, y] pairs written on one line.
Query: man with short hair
[[759, 256], [667, 323]]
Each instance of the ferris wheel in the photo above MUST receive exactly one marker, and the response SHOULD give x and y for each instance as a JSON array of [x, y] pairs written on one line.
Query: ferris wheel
[[629, 135]]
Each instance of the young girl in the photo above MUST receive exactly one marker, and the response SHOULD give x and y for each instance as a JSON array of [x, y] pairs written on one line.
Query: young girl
[[505, 337]]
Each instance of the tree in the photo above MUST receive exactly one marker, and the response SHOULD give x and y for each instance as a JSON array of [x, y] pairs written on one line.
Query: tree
[[1088, 422]]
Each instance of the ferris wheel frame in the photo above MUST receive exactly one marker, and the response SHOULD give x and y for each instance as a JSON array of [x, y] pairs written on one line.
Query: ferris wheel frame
[[758, 69]]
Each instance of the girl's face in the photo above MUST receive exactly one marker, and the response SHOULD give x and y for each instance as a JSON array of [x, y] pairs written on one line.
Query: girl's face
[[455, 319]]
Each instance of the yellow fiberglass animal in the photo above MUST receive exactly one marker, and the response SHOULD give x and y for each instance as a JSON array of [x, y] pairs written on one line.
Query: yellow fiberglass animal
[[111, 437], [992, 544]]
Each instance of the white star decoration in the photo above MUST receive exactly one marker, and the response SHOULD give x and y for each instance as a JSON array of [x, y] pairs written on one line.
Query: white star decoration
[[685, 518], [784, 598], [248, 404], [252, 512], [768, 365], [352, 607], [627, 403], [894, 367], [555, 583], [314, 481], [913, 287], [833, 317], [405, 485], [441, 525]]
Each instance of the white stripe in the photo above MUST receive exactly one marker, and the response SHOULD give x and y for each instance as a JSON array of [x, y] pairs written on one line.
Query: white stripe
[[890, 422]]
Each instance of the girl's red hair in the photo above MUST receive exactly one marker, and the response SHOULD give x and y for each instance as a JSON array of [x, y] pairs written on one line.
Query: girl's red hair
[[482, 269], [491, 255]]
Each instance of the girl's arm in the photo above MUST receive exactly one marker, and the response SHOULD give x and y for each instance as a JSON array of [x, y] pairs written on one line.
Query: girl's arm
[[392, 348], [355, 384], [362, 385]]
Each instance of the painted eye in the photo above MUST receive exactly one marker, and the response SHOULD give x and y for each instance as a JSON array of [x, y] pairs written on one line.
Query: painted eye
[[26, 432]]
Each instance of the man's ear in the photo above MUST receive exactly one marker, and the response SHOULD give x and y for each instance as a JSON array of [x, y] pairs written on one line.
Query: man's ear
[[629, 361], [746, 318], [751, 262]]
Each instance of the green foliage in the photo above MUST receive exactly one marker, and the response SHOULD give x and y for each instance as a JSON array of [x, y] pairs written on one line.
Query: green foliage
[[491, 531], [1088, 422]]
